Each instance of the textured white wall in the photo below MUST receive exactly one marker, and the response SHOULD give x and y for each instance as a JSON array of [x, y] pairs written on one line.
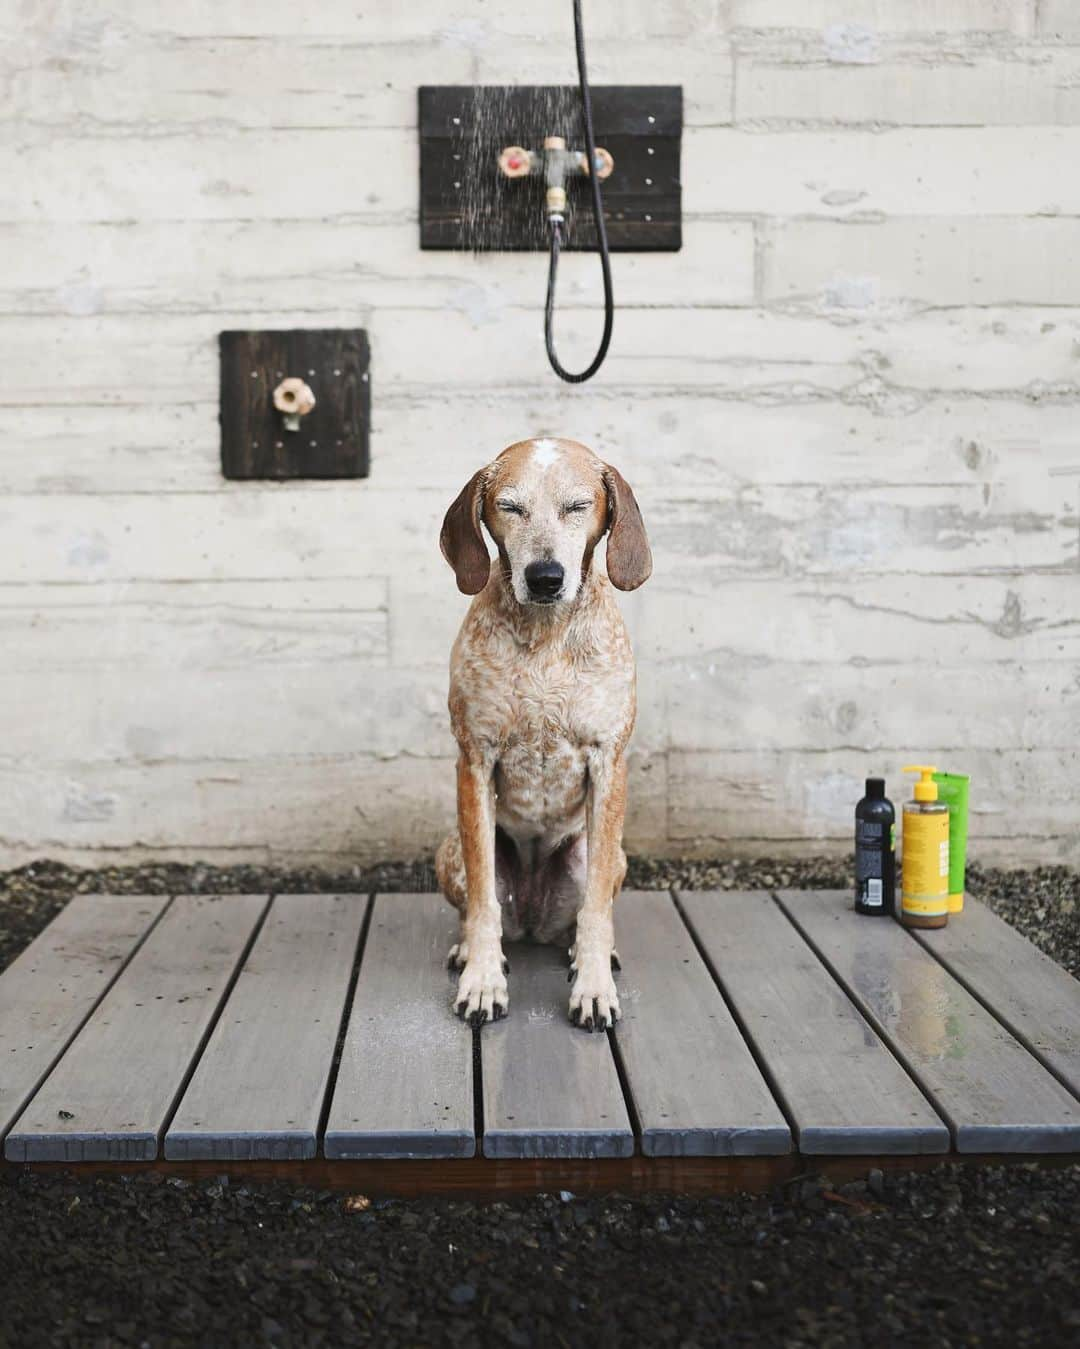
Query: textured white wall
[[849, 407]]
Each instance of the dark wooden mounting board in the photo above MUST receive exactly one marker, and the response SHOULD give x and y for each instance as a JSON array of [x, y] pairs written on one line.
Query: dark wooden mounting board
[[333, 438], [466, 204]]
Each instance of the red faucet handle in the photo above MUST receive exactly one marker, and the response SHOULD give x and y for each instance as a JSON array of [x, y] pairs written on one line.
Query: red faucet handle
[[515, 162]]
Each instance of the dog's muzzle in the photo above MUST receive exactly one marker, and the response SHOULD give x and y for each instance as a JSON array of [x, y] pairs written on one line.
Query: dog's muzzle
[[544, 581]]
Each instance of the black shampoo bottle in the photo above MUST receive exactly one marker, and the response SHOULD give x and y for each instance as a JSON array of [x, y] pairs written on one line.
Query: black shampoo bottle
[[875, 851]]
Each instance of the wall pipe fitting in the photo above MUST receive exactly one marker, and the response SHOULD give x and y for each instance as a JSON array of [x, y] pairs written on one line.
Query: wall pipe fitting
[[556, 164]]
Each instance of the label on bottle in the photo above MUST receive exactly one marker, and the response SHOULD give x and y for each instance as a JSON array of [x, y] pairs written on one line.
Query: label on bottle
[[871, 859], [926, 863]]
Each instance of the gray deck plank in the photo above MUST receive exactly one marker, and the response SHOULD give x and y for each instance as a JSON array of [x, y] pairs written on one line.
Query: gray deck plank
[[259, 1087], [405, 1084], [110, 1095], [995, 1096], [845, 1091], [695, 1086], [50, 989], [1031, 995], [550, 1089]]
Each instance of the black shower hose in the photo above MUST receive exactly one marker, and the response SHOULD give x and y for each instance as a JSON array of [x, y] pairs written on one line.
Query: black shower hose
[[601, 234]]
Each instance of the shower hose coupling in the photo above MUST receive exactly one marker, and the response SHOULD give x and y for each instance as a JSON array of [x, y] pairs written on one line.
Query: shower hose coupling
[[555, 163]]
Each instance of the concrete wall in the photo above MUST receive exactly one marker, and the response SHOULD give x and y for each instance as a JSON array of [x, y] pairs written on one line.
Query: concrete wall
[[849, 407]]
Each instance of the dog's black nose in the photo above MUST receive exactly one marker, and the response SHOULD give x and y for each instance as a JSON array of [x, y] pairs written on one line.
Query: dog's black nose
[[544, 579]]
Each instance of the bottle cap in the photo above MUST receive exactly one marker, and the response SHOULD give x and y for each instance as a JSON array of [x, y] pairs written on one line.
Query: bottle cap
[[875, 789], [926, 787]]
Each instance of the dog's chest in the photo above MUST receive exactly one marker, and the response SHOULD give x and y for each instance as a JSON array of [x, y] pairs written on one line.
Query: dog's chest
[[541, 773]]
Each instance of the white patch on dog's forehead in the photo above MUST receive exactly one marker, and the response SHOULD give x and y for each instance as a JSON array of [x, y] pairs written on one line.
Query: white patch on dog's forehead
[[545, 453]]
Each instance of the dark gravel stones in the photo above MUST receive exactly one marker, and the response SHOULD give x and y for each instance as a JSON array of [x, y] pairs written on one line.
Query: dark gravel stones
[[957, 1256]]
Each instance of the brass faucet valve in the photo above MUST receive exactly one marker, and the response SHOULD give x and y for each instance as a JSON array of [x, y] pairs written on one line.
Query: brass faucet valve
[[557, 164]]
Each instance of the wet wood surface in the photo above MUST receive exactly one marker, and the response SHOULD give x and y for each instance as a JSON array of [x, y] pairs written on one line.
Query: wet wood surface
[[405, 1083], [315, 1031], [259, 1086], [995, 1096], [691, 1076], [52, 987], [843, 1088], [1031, 995], [111, 1094], [549, 1089]]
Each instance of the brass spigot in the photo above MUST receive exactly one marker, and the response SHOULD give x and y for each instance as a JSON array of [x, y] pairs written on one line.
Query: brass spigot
[[557, 164]]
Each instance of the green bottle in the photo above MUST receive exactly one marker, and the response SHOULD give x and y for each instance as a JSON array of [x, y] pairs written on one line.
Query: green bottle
[[953, 790]]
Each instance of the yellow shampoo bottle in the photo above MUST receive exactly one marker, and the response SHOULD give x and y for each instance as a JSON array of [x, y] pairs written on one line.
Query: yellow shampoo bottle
[[924, 900]]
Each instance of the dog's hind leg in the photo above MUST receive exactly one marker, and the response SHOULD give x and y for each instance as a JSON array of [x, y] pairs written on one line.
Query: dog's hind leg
[[450, 870], [450, 873]]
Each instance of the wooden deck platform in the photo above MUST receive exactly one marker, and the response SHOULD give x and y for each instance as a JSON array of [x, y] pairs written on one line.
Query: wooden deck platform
[[311, 1035]]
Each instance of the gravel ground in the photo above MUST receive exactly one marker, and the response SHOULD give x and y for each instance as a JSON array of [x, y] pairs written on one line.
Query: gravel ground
[[954, 1257], [957, 1256]]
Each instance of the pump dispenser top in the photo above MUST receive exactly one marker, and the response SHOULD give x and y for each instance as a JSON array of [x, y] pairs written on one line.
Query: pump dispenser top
[[926, 787]]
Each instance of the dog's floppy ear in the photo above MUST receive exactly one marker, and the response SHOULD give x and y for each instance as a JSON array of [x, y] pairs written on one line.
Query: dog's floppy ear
[[461, 540], [629, 558]]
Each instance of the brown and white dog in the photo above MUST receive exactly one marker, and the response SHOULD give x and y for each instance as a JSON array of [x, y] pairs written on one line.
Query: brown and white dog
[[542, 704]]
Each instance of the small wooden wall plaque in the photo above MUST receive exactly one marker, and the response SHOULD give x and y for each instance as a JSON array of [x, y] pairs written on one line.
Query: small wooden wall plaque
[[332, 438]]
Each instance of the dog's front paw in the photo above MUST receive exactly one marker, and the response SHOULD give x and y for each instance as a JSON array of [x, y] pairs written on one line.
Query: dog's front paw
[[616, 963], [481, 992], [594, 1002]]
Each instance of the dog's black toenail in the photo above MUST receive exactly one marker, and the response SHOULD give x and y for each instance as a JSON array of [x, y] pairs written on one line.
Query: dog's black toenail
[[616, 964], [506, 965]]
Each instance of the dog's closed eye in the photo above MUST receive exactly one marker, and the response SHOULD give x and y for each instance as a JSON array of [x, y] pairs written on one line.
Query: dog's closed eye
[[577, 507], [511, 507]]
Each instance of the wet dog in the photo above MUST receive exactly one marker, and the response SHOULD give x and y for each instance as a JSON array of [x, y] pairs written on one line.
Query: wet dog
[[542, 704]]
